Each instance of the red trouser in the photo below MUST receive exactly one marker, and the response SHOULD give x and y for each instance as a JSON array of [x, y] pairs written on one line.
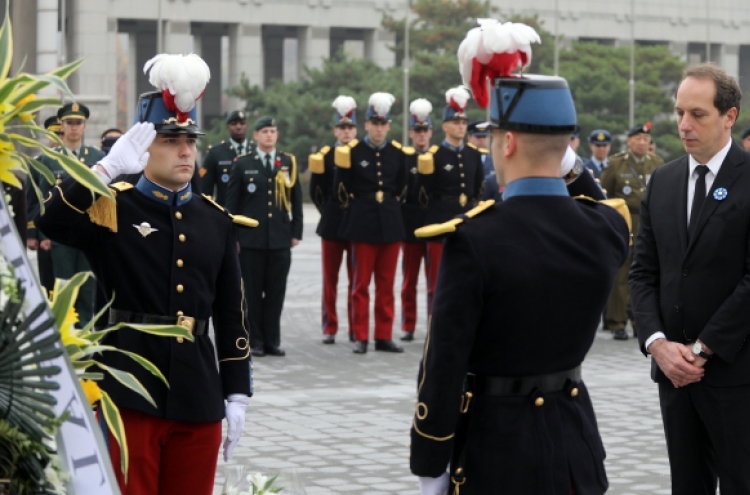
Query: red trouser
[[411, 258], [432, 263], [380, 259], [166, 457], [333, 253]]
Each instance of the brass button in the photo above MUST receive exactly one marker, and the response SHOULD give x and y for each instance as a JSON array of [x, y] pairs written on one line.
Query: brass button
[[180, 313], [574, 392], [539, 402], [377, 154], [270, 215], [380, 173], [252, 367], [463, 185], [251, 180], [180, 340], [462, 174], [459, 471], [269, 203], [180, 263], [460, 165], [178, 215], [182, 237], [269, 191], [380, 182], [180, 288], [269, 180], [459, 155]]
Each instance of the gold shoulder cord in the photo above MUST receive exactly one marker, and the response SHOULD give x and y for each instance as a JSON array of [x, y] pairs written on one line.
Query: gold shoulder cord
[[284, 189]]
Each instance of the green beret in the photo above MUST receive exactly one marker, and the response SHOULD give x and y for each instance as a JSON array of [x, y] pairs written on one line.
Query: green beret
[[745, 133], [71, 111], [640, 129], [236, 115], [264, 121], [52, 124]]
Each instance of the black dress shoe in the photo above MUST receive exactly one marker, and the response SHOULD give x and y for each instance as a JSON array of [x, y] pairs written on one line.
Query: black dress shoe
[[258, 352], [360, 347], [620, 335], [387, 346], [329, 339], [407, 336], [275, 351]]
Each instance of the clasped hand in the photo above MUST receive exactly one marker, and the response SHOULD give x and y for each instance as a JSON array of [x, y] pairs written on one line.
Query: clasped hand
[[678, 362]]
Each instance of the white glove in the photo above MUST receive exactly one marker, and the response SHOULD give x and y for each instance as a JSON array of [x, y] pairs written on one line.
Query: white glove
[[126, 156], [434, 486], [235, 413]]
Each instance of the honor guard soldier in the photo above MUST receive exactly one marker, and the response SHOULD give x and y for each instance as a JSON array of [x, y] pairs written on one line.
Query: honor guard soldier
[[66, 260], [334, 246], [414, 213], [217, 166], [600, 143], [626, 177], [745, 139], [501, 403], [264, 185], [170, 256], [451, 177], [479, 135], [370, 181]]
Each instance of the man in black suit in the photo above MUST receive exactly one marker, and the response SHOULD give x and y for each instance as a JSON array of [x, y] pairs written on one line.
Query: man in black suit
[[690, 284]]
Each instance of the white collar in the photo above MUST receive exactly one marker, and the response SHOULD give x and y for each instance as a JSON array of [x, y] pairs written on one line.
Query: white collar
[[714, 164]]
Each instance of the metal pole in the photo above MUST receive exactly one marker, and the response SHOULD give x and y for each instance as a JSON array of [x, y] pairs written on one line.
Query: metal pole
[[557, 37], [406, 74], [708, 32], [63, 32], [631, 112], [159, 29]]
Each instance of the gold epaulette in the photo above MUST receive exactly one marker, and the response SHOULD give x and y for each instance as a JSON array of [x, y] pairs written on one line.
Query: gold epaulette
[[104, 210], [426, 161], [316, 163], [243, 154], [237, 219], [484, 151], [450, 226], [396, 144], [324, 150], [343, 156], [408, 150], [618, 204]]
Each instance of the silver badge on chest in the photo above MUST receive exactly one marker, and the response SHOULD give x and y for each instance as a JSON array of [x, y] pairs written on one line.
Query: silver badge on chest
[[251, 188], [145, 229]]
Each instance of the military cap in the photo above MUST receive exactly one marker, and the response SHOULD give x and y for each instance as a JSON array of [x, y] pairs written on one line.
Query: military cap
[[479, 128], [345, 115], [73, 111], [640, 129], [534, 104], [236, 115], [264, 121], [600, 136], [52, 124], [745, 133]]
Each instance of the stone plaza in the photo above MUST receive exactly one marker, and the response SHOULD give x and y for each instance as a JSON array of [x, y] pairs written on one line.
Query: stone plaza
[[341, 421]]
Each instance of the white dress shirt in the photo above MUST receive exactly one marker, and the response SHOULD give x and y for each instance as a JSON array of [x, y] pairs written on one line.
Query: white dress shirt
[[714, 164]]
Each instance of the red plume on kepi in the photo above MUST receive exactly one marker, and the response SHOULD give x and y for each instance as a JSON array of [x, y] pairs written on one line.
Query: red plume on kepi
[[494, 49]]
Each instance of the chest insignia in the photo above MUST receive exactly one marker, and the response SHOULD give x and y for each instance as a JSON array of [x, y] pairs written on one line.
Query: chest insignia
[[720, 194], [449, 167], [225, 162], [225, 178], [145, 229], [251, 172], [413, 170], [364, 163]]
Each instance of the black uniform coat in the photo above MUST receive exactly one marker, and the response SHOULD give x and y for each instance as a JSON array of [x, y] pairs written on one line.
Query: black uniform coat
[[164, 273], [456, 171], [497, 270], [698, 288], [369, 172], [217, 167], [252, 192], [325, 199], [413, 211]]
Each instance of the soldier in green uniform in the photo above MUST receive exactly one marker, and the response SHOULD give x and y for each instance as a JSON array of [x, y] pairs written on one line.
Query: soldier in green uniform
[[67, 261], [626, 177], [217, 167], [263, 183]]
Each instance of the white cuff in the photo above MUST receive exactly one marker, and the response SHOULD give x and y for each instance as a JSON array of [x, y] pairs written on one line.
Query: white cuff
[[241, 398], [656, 336], [104, 177]]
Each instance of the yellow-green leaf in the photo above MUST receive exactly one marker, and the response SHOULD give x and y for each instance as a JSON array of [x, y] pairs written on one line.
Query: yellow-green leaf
[[80, 172], [39, 103], [129, 381], [87, 329], [65, 296], [117, 428], [6, 44], [145, 363], [26, 84], [41, 168], [82, 365], [159, 330]]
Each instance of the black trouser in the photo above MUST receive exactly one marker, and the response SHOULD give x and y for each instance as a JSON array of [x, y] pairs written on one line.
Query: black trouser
[[265, 272], [46, 272], [708, 436]]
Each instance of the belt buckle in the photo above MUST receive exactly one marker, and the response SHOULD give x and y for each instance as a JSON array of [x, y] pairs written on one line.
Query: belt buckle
[[185, 322], [379, 196], [462, 199]]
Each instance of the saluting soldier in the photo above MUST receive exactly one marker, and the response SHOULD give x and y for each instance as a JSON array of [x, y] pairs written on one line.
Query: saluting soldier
[[335, 248], [171, 258], [264, 185], [626, 177], [370, 180], [217, 166], [66, 260], [501, 405], [414, 211], [451, 177]]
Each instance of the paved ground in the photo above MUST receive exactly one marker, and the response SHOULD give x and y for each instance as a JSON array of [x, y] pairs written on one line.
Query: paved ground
[[341, 421]]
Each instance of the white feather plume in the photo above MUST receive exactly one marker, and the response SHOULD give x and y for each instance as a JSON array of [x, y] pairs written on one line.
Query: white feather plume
[[421, 109], [344, 104], [381, 103], [185, 76], [467, 52], [509, 37], [460, 96]]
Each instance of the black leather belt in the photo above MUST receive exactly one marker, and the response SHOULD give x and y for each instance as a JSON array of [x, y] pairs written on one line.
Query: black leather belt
[[448, 199], [502, 386], [198, 327], [378, 196]]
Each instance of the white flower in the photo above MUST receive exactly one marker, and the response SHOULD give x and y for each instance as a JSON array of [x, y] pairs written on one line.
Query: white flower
[[258, 480], [55, 479]]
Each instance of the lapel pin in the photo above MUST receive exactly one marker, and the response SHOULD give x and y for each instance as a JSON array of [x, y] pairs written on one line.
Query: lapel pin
[[720, 194]]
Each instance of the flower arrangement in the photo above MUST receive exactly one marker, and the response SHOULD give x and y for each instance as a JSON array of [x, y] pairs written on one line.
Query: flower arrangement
[[240, 483]]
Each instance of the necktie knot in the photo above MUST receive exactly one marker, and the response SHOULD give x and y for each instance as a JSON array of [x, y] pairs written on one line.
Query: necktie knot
[[702, 170]]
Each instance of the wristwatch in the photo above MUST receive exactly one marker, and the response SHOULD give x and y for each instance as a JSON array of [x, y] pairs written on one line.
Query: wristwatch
[[698, 350]]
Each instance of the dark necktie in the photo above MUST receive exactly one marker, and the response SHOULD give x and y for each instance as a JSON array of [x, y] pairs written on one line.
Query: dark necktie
[[270, 169], [699, 197]]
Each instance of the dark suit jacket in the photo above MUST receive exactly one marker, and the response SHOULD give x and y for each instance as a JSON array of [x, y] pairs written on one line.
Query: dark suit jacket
[[697, 288]]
